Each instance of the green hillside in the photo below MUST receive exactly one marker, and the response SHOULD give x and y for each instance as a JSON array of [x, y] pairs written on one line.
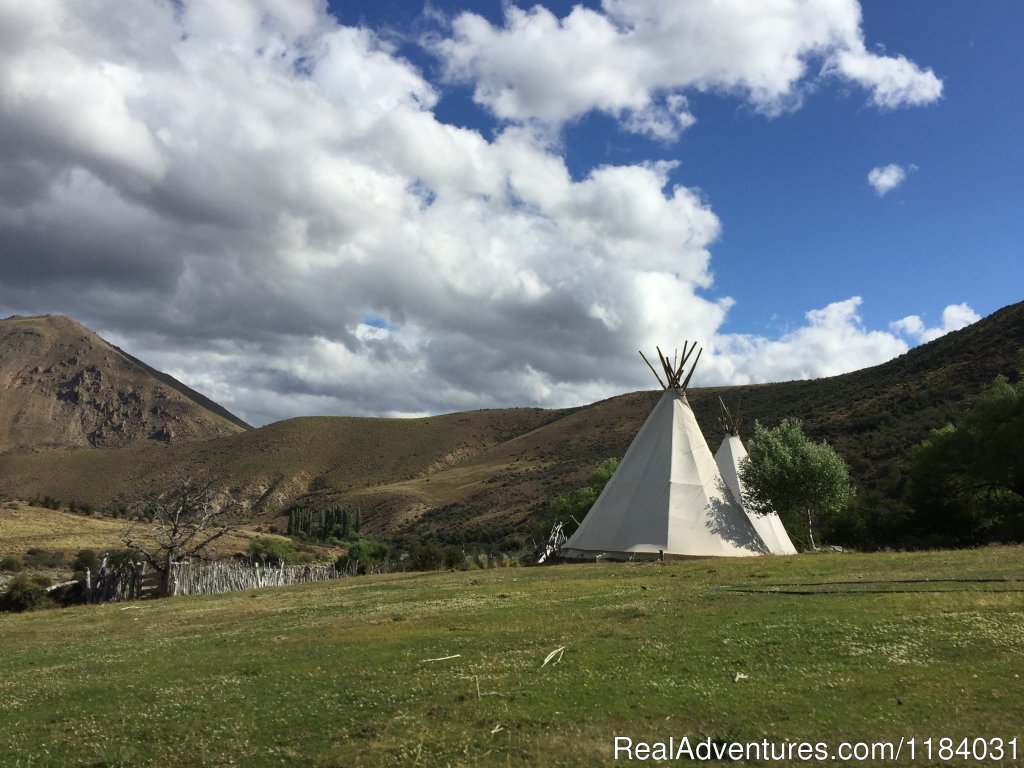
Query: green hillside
[[448, 668]]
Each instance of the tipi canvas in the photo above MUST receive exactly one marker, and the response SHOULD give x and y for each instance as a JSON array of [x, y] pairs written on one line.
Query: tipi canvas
[[769, 527], [667, 497]]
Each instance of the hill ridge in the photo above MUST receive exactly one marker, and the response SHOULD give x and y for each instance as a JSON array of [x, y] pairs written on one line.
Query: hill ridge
[[490, 473], [62, 385]]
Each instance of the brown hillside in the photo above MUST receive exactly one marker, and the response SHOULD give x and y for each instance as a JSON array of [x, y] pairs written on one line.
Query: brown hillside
[[873, 417], [311, 458], [63, 386], [489, 474]]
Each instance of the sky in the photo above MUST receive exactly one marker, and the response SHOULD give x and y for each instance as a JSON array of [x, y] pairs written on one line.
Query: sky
[[393, 208]]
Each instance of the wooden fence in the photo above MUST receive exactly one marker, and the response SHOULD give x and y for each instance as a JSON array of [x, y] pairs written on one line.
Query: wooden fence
[[134, 581], [201, 578], [128, 581]]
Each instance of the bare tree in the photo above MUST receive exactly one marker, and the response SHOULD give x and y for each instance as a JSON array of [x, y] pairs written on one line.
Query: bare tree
[[180, 523]]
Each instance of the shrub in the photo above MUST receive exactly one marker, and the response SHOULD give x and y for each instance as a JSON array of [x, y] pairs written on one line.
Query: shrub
[[272, 550], [11, 563], [24, 595], [427, 556], [363, 553], [86, 558], [455, 558], [44, 558], [118, 557]]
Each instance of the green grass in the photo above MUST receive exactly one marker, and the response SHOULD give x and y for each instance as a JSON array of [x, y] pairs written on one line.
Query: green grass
[[337, 673]]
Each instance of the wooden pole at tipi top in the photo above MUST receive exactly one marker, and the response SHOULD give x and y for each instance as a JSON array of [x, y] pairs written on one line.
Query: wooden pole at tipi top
[[673, 370]]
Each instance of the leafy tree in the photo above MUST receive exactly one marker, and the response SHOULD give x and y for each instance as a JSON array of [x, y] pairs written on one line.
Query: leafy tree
[[600, 476], [967, 480], [272, 550], [571, 507], [322, 524], [788, 473], [363, 553], [182, 523]]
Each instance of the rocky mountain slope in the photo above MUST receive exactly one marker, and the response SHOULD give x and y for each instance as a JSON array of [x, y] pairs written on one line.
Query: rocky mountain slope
[[63, 386]]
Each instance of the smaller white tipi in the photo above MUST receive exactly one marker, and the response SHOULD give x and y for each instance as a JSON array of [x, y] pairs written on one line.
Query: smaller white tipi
[[667, 498], [769, 527]]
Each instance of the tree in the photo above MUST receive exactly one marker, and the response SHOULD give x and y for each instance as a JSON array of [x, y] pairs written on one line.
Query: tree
[[967, 480], [272, 550], [797, 478], [600, 476], [182, 523], [571, 507]]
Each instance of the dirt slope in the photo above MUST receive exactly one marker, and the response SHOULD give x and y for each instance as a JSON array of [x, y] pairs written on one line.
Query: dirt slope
[[63, 386]]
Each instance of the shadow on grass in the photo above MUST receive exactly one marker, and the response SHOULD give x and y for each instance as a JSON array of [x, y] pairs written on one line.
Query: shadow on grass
[[882, 586]]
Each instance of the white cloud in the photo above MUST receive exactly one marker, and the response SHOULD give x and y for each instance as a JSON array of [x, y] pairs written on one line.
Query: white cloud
[[833, 341], [624, 58], [885, 178], [893, 81], [249, 181], [954, 317], [263, 202], [663, 122]]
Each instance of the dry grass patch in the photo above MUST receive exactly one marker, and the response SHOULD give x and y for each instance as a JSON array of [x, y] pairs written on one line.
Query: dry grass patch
[[24, 527]]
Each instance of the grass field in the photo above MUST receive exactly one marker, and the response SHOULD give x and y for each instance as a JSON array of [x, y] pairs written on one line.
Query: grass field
[[447, 668]]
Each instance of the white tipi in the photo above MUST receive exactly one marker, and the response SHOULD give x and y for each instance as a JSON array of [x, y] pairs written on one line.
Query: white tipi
[[667, 497], [769, 527]]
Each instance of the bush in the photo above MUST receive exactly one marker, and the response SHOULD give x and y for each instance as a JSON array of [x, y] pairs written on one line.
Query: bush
[[118, 557], [11, 563], [24, 595], [86, 558], [363, 553], [44, 558], [427, 557], [455, 558], [272, 550]]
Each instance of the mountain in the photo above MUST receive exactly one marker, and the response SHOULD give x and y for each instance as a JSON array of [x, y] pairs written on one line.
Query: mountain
[[63, 386], [487, 475]]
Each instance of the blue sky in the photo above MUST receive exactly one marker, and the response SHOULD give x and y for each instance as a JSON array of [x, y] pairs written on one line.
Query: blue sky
[[284, 203], [800, 221]]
